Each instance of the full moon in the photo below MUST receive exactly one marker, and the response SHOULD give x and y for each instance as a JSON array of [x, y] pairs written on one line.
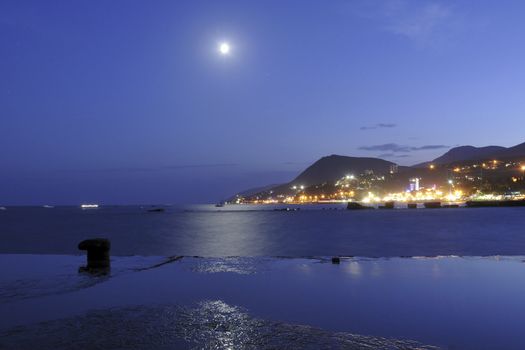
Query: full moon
[[224, 48]]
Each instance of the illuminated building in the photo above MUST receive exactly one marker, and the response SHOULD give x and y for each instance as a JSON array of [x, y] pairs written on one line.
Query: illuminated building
[[414, 184]]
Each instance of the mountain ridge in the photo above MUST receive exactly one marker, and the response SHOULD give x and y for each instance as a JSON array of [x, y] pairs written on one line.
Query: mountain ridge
[[465, 153], [333, 167]]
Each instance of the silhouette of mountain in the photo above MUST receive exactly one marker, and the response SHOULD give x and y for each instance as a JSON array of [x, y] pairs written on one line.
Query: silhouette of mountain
[[471, 153], [464, 153], [515, 151], [334, 167]]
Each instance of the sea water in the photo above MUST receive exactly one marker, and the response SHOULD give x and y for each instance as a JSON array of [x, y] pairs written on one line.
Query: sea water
[[256, 277], [243, 230]]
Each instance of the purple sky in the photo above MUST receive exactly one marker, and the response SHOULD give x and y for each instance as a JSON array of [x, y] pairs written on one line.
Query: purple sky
[[130, 101]]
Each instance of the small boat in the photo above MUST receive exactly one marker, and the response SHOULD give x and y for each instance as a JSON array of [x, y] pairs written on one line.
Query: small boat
[[287, 209], [357, 206], [89, 206], [156, 210]]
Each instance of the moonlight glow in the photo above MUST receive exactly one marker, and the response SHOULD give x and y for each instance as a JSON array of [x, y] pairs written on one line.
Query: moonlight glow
[[224, 48]]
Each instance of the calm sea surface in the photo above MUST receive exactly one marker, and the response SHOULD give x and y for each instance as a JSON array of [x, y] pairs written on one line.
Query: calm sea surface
[[245, 296], [260, 231]]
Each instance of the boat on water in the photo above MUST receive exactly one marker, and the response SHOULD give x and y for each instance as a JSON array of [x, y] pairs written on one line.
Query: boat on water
[[357, 206], [156, 210], [89, 206], [48, 206], [287, 209]]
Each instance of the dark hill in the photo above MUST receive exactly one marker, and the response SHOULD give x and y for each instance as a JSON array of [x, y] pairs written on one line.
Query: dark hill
[[471, 153], [334, 167], [464, 153], [513, 152]]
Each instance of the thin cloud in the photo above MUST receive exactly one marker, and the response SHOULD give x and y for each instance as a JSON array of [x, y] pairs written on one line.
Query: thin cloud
[[393, 155], [396, 148], [420, 21], [387, 147], [430, 147], [379, 126]]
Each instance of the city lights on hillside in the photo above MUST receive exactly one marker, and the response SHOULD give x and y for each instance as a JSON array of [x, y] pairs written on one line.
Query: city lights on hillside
[[459, 183]]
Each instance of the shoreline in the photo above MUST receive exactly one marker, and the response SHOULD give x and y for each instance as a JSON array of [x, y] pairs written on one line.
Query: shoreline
[[408, 205]]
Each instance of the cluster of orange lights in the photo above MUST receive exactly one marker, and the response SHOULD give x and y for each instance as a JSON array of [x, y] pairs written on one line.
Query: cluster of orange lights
[[345, 193], [484, 165]]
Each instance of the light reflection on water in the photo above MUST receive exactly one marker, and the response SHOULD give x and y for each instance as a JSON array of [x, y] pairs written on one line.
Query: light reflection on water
[[353, 268], [205, 231], [228, 232], [211, 324], [459, 303]]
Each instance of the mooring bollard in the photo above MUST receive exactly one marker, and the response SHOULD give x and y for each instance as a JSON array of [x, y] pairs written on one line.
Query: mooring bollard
[[97, 252], [336, 260]]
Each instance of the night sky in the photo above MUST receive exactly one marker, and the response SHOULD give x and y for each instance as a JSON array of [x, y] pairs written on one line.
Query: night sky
[[131, 101]]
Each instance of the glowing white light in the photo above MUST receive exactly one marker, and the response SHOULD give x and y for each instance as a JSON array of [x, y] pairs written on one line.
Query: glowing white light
[[224, 48], [89, 206]]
